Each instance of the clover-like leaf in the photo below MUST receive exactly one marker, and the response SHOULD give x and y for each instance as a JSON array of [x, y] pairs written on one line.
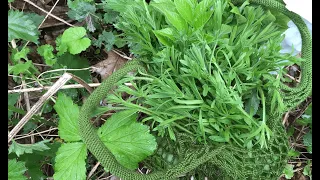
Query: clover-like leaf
[[128, 140], [73, 41]]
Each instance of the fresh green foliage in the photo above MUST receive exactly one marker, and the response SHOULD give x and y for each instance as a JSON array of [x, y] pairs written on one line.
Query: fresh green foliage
[[209, 69], [21, 27], [74, 62], [68, 113], [70, 162], [16, 170], [20, 149], [106, 38], [35, 160], [288, 171], [10, 1], [110, 16], [37, 19], [17, 55], [12, 100], [306, 120], [293, 153], [73, 41], [307, 141], [79, 10], [307, 170], [23, 67], [128, 140], [46, 51]]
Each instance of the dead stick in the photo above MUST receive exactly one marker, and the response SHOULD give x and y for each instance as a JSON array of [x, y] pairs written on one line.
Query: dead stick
[[26, 99], [28, 1], [69, 86], [56, 86]]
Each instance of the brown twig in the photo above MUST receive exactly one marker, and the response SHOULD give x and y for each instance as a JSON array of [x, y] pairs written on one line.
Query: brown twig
[[49, 13], [26, 99], [69, 86], [57, 18], [64, 78], [93, 170], [82, 82]]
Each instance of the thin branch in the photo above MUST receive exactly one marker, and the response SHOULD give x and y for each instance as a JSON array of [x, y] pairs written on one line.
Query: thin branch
[[56, 86], [24, 136], [93, 170], [82, 82], [49, 13], [69, 86], [31, 3]]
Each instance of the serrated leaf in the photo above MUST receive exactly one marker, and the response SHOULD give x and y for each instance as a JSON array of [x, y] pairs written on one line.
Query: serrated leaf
[[12, 100], [73, 40], [20, 149], [293, 153], [21, 27], [36, 18], [307, 139], [128, 140], [70, 162], [74, 62], [46, 51], [17, 55], [106, 38], [34, 161], [288, 171], [79, 10], [68, 113], [110, 16], [16, 170], [20, 68]]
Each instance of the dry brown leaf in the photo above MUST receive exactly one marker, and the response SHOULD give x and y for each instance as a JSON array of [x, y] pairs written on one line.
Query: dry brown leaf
[[106, 67]]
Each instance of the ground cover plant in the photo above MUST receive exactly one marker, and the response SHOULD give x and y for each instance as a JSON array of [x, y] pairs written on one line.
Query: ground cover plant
[[212, 72]]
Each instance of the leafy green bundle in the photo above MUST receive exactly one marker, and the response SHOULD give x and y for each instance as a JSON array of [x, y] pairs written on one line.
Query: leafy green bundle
[[212, 68]]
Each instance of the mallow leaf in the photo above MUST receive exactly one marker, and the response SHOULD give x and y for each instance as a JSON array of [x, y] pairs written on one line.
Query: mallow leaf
[[129, 141], [70, 162], [73, 41], [68, 113]]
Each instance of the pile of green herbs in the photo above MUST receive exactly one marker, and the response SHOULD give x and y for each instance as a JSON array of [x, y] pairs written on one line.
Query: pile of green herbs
[[212, 69]]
